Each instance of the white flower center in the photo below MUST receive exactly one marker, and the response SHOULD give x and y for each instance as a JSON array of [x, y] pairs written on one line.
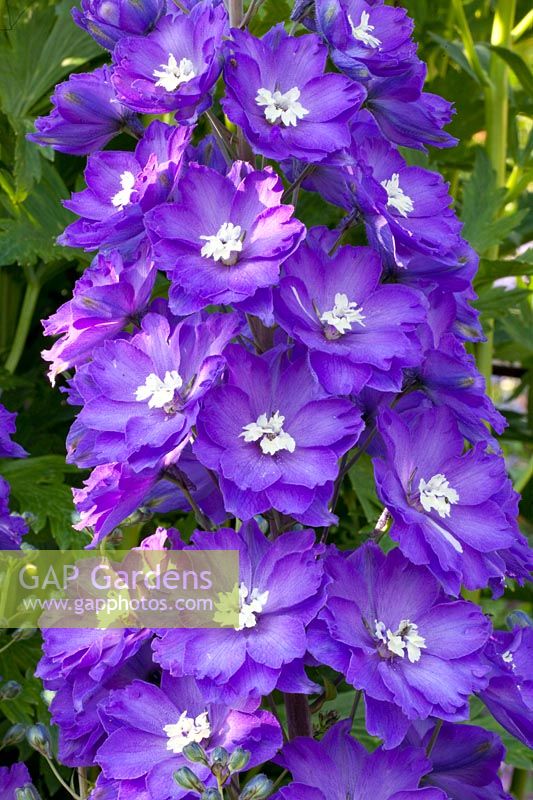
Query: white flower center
[[159, 393], [507, 657], [269, 433], [171, 75], [250, 604], [187, 730], [284, 106], [123, 197], [363, 31], [224, 245], [405, 639], [437, 495], [343, 314], [397, 199]]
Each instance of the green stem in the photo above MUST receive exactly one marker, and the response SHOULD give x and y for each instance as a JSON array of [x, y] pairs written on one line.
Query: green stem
[[522, 27], [497, 124], [519, 783], [24, 324], [298, 715], [468, 42]]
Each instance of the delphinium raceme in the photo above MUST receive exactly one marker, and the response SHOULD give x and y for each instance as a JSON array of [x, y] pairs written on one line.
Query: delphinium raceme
[[227, 361]]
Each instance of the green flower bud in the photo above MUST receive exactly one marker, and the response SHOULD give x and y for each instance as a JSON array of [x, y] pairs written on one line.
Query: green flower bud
[[257, 789], [220, 756], [10, 690], [28, 792], [14, 734], [22, 634], [195, 753], [39, 738], [239, 759], [186, 778], [211, 794]]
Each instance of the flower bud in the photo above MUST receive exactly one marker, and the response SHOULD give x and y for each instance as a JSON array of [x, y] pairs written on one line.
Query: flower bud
[[220, 756], [211, 794], [10, 690], [519, 619], [22, 634], [39, 738], [195, 753], [186, 778], [13, 735], [239, 759], [257, 789], [28, 792]]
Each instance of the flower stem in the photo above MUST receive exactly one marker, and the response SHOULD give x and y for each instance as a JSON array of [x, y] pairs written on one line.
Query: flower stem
[[23, 326], [497, 124], [298, 715], [235, 13], [434, 736], [519, 783], [63, 783]]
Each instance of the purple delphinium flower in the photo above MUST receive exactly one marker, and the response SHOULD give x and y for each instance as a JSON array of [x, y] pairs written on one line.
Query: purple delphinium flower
[[175, 67], [390, 630], [12, 526], [105, 789], [86, 115], [111, 294], [273, 436], [107, 21], [448, 507], [122, 186], [407, 115], [405, 208], [509, 695], [464, 760], [208, 153], [339, 767], [240, 665], [358, 331], [141, 395], [9, 449], [13, 778], [225, 238], [278, 93], [114, 492], [148, 727], [366, 39]]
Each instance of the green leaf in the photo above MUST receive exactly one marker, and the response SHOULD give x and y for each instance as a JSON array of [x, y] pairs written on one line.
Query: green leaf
[[361, 478], [490, 271], [38, 486], [518, 66], [30, 232], [482, 204], [38, 52], [28, 160], [496, 300], [455, 52]]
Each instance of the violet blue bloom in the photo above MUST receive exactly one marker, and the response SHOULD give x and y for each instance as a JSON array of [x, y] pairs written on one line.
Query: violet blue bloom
[[390, 630], [141, 395], [175, 67], [114, 492], [408, 116], [9, 449], [278, 93], [366, 39], [12, 778], [464, 760], [225, 238], [111, 294], [509, 695], [238, 666], [86, 115], [107, 21], [122, 187], [12, 526], [358, 331], [405, 208], [105, 789], [338, 767], [449, 508], [273, 436], [148, 727]]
